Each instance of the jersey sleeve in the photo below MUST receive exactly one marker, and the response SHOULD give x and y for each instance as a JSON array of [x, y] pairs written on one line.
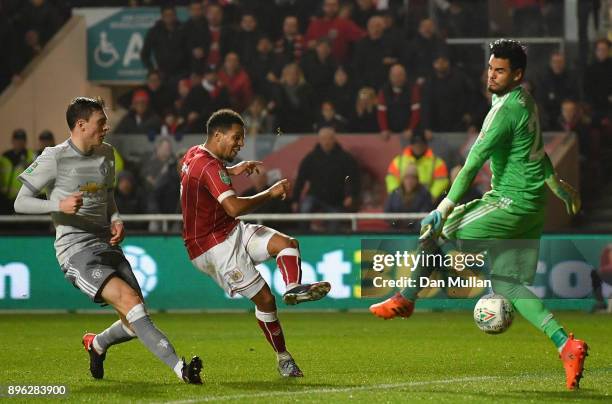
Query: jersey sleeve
[[41, 172], [216, 179], [495, 132]]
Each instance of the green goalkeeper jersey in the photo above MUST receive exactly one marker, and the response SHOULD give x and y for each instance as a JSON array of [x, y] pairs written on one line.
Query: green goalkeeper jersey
[[512, 139]]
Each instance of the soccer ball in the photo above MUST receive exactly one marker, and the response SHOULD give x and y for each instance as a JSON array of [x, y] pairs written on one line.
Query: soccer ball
[[493, 313]]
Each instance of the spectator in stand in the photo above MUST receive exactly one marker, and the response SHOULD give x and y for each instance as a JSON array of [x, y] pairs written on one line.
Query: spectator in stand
[[328, 117], [420, 52], [221, 37], [393, 33], [364, 119], [196, 34], [164, 47], [526, 17], [332, 175], [572, 120], [294, 101], [235, 78], [139, 120], [553, 85], [160, 97], [127, 195], [41, 16], [399, 107], [45, 139], [598, 84], [161, 161], [373, 55], [447, 98], [362, 11], [246, 38], [182, 91], [342, 92], [291, 46], [433, 173], [203, 99], [258, 119], [12, 163], [319, 68], [410, 197], [340, 31], [264, 69], [28, 50], [173, 125]]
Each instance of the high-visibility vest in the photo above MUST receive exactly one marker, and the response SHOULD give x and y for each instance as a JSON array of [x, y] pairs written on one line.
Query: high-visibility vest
[[432, 171], [9, 181]]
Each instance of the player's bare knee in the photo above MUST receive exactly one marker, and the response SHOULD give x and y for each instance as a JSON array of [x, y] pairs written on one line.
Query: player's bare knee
[[294, 243]]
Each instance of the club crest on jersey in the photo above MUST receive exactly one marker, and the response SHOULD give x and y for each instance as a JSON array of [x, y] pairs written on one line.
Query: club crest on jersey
[[225, 177]]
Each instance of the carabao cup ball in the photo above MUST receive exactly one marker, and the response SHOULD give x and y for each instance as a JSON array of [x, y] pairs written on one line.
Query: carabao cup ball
[[493, 313]]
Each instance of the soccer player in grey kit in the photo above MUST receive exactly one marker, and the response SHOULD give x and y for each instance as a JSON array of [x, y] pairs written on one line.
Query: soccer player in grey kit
[[79, 175]]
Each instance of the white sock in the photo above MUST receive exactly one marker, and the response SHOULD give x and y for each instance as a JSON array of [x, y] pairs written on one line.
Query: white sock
[[291, 286], [281, 356], [178, 369], [559, 349], [97, 346]]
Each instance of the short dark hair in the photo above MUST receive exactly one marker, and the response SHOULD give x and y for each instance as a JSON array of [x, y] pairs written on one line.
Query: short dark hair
[[167, 6], [82, 108], [512, 50], [223, 120]]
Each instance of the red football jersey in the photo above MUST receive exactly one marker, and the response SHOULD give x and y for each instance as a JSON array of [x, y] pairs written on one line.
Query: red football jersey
[[205, 183]]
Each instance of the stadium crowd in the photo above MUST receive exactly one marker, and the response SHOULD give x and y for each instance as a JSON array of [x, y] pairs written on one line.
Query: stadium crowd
[[329, 67]]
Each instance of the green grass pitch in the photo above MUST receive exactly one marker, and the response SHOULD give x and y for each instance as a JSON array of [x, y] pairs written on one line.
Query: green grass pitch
[[435, 357]]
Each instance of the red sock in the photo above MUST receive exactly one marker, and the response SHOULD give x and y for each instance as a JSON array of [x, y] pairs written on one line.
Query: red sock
[[290, 265], [269, 324]]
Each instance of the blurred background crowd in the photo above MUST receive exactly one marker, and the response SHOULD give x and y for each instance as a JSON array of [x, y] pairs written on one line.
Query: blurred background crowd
[[329, 67]]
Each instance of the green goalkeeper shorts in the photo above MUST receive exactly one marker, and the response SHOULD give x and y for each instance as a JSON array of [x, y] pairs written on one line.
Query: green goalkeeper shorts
[[511, 237]]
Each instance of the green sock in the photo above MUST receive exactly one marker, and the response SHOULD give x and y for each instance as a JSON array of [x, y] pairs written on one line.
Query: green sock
[[533, 310]]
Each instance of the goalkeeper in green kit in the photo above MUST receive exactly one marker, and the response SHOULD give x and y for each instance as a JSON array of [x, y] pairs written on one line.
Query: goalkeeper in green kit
[[512, 210]]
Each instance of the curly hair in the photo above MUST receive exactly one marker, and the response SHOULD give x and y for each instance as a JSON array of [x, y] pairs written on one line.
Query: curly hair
[[512, 50]]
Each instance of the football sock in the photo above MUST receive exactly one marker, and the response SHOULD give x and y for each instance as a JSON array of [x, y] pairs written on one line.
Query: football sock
[[290, 266], [115, 334], [532, 309], [269, 324], [151, 337]]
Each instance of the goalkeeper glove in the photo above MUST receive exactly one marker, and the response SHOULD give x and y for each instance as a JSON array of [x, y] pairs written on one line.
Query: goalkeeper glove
[[432, 224], [566, 193]]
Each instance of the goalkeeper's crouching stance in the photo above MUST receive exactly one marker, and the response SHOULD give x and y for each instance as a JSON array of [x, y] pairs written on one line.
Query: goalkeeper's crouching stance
[[513, 210]]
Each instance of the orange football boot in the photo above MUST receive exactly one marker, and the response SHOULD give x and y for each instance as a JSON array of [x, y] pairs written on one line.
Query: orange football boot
[[396, 305], [573, 355]]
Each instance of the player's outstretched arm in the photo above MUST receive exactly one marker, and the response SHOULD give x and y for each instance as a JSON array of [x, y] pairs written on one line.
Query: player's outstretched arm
[[249, 167], [237, 206], [561, 189]]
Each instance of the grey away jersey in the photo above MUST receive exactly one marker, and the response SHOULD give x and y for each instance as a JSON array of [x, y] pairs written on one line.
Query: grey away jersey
[[63, 170]]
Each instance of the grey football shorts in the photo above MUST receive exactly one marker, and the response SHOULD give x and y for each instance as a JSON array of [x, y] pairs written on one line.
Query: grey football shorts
[[89, 270]]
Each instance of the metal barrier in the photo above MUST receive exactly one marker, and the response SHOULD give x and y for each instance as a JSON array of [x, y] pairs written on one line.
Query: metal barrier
[[165, 219]]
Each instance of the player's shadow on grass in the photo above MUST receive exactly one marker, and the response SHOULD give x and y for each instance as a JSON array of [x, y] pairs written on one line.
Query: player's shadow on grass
[[125, 388], [295, 384]]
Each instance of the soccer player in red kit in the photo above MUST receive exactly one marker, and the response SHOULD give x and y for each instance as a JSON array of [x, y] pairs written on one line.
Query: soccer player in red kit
[[228, 249]]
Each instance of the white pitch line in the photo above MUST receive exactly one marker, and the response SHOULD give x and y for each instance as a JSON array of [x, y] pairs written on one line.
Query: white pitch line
[[333, 390], [369, 387]]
